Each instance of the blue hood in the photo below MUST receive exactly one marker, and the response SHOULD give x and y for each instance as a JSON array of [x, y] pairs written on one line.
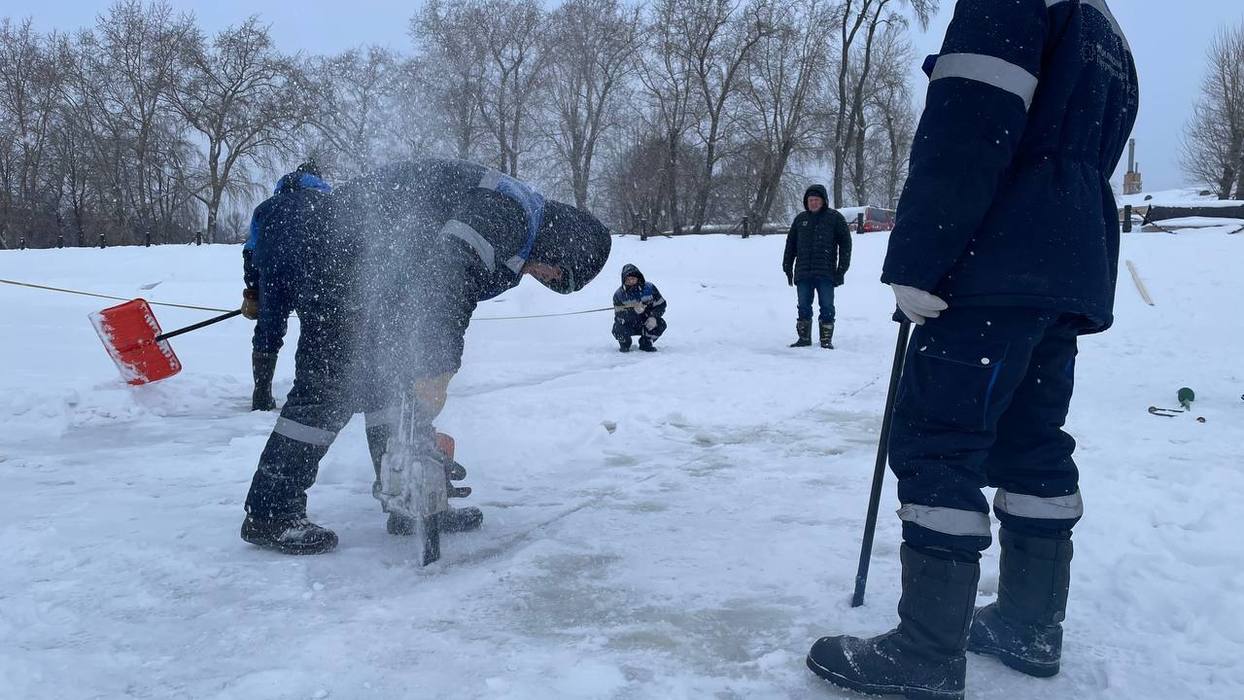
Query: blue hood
[[301, 181]]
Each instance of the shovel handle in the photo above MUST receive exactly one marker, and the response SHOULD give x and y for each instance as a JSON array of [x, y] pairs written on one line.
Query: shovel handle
[[197, 326]]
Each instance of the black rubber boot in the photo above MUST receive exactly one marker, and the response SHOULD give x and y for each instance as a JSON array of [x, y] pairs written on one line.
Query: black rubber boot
[[804, 329], [645, 344], [1023, 628], [923, 659], [288, 535], [624, 344], [263, 365], [827, 336]]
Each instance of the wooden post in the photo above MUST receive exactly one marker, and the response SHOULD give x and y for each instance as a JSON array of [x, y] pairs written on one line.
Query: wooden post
[[148, 240], [21, 243], [643, 229], [746, 226], [1127, 218], [198, 238], [102, 243], [859, 223], [60, 241]]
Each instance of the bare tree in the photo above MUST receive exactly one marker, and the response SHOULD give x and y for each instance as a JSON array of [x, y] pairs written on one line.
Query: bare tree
[[29, 85], [781, 89], [668, 81], [133, 60], [591, 55], [721, 37], [450, 67], [351, 110], [860, 20], [1213, 144], [242, 96]]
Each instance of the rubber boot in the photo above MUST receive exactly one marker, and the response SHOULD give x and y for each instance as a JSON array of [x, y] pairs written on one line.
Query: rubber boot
[[263, 365], [1023, 627], [624, 344], [288, 535], [923, 659], [827, 335], [645, 344], [804, 329]]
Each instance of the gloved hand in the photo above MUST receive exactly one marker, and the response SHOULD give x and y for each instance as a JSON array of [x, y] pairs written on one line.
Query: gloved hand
[[639, 307], [917, 304], [790, 278], [431, 393], [250, 304], [840, 278], [651, 323]]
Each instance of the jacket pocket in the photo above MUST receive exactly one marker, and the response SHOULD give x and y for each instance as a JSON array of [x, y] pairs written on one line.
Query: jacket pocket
[[952, 383]]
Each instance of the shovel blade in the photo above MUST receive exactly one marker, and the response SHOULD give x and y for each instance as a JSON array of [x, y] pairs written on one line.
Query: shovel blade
[[128, 332]]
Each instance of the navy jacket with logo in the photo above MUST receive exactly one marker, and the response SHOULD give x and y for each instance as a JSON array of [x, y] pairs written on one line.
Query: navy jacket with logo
[[1008, 201]]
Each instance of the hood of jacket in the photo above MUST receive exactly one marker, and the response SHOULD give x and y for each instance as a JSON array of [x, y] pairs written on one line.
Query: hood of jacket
[[300, 180], [629, 270], [819, 191]]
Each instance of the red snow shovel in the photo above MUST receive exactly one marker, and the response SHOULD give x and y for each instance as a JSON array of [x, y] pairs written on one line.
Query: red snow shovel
[[132, 337]]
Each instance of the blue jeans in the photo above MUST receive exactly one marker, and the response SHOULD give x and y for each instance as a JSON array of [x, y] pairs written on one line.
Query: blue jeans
[[823, 287]]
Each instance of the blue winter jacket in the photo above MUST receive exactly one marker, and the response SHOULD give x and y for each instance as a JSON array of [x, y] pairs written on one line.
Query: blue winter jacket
[[1008, 201], [625, 299], [285, 230], [436, 237]]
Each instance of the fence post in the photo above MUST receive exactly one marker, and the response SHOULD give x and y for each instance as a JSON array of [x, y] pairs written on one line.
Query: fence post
[[746, 227], [60, 241], [147, 241], [102, 243], [643, 229], [1127, 218], [198, 238], [859, 222], [21, 243]]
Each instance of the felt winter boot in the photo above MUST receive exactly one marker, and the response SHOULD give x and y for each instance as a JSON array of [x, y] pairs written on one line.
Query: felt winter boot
[[827, 335], [804, 329], [923, 659], [1023, 627]]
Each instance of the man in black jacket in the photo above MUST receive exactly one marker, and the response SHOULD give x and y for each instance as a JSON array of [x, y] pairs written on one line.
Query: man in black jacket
[[818, 253]]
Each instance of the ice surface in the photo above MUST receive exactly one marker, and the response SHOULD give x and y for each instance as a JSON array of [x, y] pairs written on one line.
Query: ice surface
[[678, 525]]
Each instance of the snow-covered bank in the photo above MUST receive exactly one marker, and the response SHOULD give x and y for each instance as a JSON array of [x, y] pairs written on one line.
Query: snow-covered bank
[[694, 551]]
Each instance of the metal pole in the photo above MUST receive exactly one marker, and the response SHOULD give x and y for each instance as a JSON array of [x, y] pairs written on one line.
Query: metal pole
[[874, 499]]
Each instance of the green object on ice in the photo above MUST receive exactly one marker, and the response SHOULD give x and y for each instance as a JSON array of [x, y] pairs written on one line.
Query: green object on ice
[[1186, 396]]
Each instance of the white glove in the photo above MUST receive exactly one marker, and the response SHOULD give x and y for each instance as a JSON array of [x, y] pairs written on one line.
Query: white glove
[[639, 308], [917, 304], [651, 323]]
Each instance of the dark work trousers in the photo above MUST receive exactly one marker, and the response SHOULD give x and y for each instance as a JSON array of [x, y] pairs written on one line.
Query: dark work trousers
[[324, 397], [269, 334], [629, 324], [982, 401], [823, 287]]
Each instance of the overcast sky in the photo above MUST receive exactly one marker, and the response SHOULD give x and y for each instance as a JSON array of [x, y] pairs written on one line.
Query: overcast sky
[[1169, 39]]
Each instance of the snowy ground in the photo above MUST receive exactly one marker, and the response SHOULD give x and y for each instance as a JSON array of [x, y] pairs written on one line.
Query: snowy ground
[[694, 552]]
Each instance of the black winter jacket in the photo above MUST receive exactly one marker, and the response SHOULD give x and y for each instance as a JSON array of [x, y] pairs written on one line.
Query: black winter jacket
[[819, 243]]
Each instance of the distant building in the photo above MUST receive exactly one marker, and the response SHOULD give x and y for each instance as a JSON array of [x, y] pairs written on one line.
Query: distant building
[[1132, 183]]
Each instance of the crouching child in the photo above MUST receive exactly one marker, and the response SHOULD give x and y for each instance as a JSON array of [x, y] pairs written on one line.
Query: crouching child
[[638, 310]]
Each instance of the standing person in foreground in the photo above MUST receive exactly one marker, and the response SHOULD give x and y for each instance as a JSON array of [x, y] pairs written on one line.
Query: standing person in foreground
[[299, 198], [384, 295], [1005, 250], [638, 309], [818, 253]]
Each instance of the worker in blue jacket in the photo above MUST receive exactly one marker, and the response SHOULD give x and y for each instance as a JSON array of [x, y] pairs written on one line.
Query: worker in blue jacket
[[1004, 251], [638, 310], [298, 202], [384, 293]]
